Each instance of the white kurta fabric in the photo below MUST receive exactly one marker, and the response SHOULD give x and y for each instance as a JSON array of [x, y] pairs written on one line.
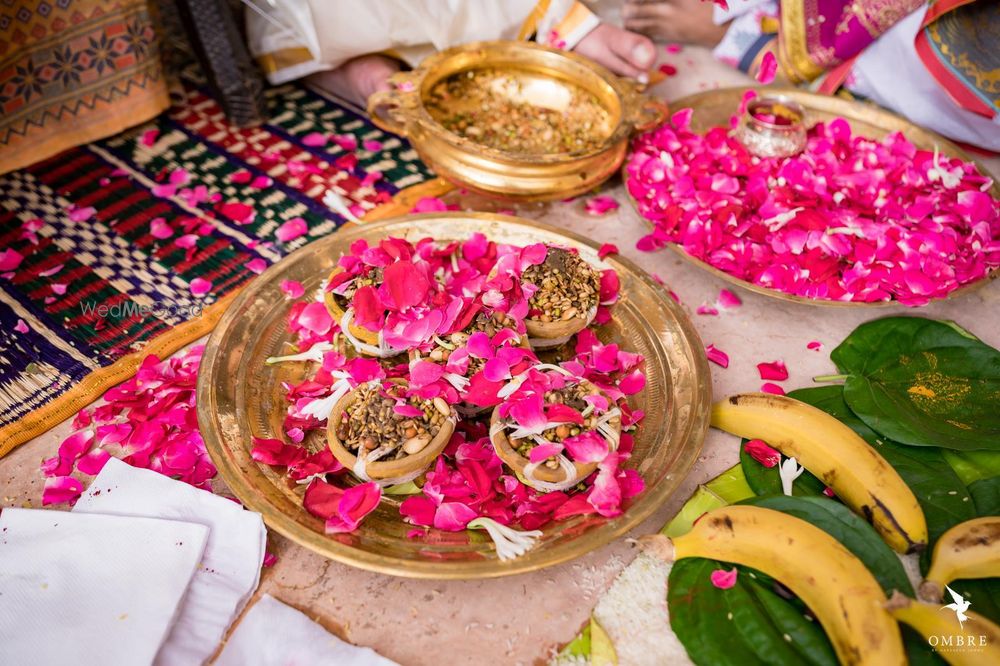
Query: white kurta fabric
[[80, 588], [273, 634], [335, 31], [227, 574]]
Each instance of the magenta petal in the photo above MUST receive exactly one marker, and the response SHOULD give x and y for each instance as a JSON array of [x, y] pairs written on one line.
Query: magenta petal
[[71, 448], [453, 516], [314, 139], [545, 451], [768, 387], [717, 356], [418, 509], [257, 265], [423, 373], [774, 371], [721, 578], [59, 489], [316, 318], [729, 300], [760, 451], [407, 410], [10, 259], [560, 413], [606, 249], [814, 345], [632, 383], [93, 462], [768, 68], [322, 499], [200, 286], [600, 205], [429, 205], [587, 447], [606, 495], [479, 345], [292, 288], [354, 505], [496, 370], [292, 229]]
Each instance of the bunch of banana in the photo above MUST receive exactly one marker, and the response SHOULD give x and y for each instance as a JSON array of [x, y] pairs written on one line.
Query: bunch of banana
[[968, 550], [858, 475], [833, 583], [937, 625]]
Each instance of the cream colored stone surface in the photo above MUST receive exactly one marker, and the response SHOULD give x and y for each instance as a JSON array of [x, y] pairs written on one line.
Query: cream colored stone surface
[[524, 618]]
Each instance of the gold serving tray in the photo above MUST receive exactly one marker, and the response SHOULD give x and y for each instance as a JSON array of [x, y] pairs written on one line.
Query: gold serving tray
[[713, 108], [240, 397]]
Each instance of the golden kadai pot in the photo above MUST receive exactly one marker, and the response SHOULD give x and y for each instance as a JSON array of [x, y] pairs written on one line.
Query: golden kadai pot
[[504, 81]]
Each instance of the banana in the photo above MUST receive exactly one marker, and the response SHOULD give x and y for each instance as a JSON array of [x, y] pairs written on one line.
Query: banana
[[973, 642], [968, 550], [833, 583], [859, 476]]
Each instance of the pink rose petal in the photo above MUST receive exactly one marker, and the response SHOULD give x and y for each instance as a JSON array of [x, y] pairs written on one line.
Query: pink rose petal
[[600, 205], [60, 489], [768, 68], [21, 327], [768, 387], [257, 265], [607, 249], [158, 228], [314, 139], [149, 137], [814, 345], [723, 579], [238, 212], [728, 300], [372, 146], [775, 370], [10, 259], [81, 214], [717, 356], [706, 309], [292, 288], [200, 286], [759, 450], [292, 229]]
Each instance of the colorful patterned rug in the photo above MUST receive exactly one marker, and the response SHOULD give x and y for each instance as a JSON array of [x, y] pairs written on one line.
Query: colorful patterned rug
[[134, 245]]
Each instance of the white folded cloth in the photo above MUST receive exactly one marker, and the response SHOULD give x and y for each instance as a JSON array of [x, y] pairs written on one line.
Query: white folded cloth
[[228, 572], [273, 634], [88, 588]]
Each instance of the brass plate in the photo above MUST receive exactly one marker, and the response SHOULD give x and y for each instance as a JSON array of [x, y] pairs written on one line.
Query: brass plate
[[713, 108], [239, 396]]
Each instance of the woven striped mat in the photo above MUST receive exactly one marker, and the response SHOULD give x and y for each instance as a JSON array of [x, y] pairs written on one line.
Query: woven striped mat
[[135, 244]]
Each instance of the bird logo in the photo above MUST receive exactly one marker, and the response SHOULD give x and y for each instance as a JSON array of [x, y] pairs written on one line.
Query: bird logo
[[960, 605]]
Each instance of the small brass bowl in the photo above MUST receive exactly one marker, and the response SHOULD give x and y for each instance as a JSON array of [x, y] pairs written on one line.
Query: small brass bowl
[[764, 138], [506, 452], [388, 469], [549, 75]]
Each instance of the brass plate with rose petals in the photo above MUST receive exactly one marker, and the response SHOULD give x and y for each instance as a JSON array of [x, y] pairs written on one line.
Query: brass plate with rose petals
[[713, 108], [239, 396]]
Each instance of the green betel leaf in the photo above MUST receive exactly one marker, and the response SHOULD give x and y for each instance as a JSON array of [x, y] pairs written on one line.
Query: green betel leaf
[[922, 382], [986, 496], [745, 625]]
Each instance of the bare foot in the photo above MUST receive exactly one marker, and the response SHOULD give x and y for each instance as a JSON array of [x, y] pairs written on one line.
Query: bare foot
[[357, 79], [624, 53], [687, 21]]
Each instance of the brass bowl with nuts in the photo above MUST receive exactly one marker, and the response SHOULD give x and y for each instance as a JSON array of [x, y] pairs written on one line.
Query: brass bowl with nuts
[[419, 452], [573, 312], [509, 455], [516, 120]]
